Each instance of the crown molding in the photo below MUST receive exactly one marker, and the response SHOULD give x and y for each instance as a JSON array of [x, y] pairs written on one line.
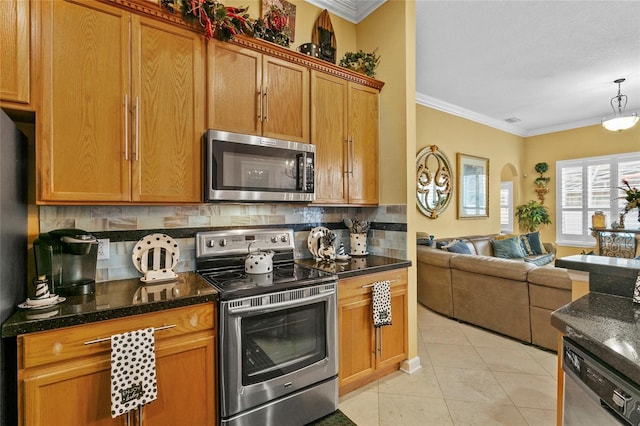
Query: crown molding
[[434, 103], [353, 11]]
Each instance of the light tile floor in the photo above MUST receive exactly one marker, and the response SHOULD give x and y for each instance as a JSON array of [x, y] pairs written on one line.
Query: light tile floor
[[469, 376]]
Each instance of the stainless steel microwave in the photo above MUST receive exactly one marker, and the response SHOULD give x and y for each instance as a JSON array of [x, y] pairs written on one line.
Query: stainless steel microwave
[[252, 168]]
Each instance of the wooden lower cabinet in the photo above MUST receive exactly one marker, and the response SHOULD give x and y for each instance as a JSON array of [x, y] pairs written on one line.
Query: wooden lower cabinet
[[63, 381], [367, 353]]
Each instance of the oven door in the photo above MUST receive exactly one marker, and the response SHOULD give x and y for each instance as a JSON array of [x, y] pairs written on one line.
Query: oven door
[[276, 344]]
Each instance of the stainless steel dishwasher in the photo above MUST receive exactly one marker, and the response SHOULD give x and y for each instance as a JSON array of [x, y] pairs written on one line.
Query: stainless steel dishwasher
[[595, 394]]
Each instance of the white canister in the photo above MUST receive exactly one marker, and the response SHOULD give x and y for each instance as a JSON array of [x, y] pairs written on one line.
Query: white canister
[[359, 245]]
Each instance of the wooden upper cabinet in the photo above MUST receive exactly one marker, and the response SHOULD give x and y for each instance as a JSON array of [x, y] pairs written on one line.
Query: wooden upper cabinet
[[329, 135], [234, 85], [363, 133], [256, 94], [285, 94], [168, 118], [122, 110], [344, 126], [15, 28], [82, 129]]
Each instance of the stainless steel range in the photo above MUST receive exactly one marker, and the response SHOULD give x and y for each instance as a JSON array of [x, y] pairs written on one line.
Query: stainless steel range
[[277, 330]]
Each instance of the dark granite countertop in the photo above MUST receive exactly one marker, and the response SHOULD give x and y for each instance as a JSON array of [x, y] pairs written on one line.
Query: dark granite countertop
[[356, 265], [606, 325], [113, 299], [591, 263], [610, 275]]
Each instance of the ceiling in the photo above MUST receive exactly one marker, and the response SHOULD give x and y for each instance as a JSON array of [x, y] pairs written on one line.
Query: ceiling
[[549, 64]]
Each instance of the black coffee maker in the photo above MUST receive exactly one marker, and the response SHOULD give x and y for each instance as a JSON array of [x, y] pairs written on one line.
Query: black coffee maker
[[68, 258]]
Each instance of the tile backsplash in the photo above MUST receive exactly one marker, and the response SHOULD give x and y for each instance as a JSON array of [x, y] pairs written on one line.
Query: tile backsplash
[[124, 225]]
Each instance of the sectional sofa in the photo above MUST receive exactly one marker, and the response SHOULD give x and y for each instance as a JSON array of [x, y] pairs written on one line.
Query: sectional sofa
[[513, 297]]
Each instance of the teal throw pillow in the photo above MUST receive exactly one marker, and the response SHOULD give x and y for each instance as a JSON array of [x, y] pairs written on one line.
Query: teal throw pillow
[[535, 242], [508, 248], [459, 247], [526, 246]]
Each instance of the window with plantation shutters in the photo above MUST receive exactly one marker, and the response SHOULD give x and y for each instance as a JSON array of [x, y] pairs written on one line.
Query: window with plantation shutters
[[586, 185], [506, 207]]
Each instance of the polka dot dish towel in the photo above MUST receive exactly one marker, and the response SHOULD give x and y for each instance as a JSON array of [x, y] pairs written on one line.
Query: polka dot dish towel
[[381, 303], [133, 370]]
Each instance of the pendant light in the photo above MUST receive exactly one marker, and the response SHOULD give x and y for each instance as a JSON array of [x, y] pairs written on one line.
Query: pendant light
[[619, 121]]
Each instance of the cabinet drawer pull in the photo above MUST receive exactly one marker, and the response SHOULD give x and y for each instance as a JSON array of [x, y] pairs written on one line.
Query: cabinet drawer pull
[[371, 285], [104, 339]]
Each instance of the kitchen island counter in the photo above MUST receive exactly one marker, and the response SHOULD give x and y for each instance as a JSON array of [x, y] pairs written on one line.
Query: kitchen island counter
[[356, 265], [113, 299], [606, 325]]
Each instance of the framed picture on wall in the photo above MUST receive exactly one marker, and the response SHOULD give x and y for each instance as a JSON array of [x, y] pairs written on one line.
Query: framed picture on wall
[[288, 10], [473, 186]]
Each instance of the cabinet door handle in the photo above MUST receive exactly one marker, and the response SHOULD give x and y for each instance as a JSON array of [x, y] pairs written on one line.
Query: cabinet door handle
[[380, 342], [350, 156], [260, 104], [266, 106], [104, 339], [126, 127], [346, 155], [371, 285], [137, 128]]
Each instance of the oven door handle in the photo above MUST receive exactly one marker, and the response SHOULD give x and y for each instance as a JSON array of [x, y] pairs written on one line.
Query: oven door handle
[[323, 295]]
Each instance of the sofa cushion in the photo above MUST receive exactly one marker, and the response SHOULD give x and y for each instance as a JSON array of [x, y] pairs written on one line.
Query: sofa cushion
[[550, 276], [432, 256], [508, 248], [492, 266], [457, 246]]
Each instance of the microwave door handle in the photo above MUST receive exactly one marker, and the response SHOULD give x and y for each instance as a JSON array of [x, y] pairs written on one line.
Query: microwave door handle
[[303, 171]]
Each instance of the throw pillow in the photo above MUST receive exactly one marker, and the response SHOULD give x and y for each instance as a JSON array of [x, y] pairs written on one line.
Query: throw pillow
[[441, 244], [507, 249], [526, 246], [504, 236], [459, 247], [535, 243], [540, 260]]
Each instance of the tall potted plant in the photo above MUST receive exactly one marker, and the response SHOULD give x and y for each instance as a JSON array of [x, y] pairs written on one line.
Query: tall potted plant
[[531, 215]]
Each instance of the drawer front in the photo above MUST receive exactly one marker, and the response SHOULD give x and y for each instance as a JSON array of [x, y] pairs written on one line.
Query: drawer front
[[67, 343], [361, 285]]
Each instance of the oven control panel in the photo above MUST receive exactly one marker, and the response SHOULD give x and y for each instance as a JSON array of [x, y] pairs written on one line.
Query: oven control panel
[[241, 241]]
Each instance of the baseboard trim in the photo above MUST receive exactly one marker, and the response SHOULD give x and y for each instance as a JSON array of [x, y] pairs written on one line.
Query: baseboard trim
[[410, 366]]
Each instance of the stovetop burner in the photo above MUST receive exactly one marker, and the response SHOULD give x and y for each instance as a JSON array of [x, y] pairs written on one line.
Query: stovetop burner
[[220, 260]]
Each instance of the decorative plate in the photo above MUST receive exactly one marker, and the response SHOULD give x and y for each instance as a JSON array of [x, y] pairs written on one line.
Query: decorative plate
[[314, 240], [155, 255]]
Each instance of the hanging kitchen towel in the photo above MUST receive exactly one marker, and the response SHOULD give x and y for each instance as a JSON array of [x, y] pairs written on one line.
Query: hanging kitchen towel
[[381, 303], [636, 290], [133, 370]]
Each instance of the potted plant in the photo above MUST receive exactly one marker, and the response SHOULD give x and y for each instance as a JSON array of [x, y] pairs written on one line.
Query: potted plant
[[542, 180], [364, 63], [531, 215]]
